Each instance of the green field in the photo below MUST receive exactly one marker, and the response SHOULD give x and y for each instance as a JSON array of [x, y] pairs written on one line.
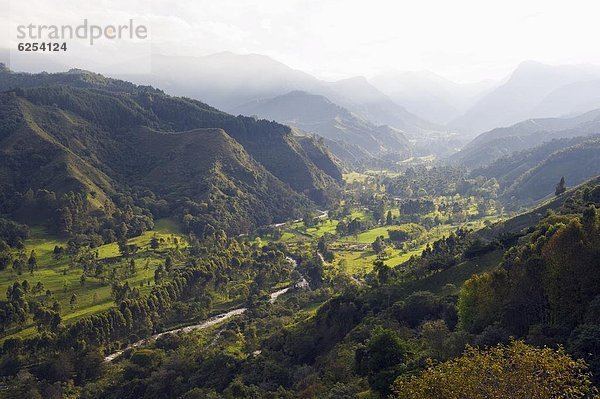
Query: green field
[[355, 177], [62, 276], [355, 255]]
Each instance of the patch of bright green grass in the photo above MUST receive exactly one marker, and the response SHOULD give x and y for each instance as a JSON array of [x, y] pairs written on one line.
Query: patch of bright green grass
[[326, 226], [94, 296], [354, 177]]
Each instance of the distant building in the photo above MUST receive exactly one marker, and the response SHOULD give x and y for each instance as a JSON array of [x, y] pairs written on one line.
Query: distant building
[[302, 285]]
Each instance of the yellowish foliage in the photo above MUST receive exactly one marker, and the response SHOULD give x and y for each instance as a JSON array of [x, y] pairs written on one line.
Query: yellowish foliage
[[516, 371]]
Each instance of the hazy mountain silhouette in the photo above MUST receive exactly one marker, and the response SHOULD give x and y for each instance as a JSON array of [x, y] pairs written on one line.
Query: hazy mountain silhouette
[[519, 96]]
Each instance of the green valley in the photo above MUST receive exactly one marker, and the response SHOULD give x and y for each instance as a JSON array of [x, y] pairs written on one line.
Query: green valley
[[152, 246]]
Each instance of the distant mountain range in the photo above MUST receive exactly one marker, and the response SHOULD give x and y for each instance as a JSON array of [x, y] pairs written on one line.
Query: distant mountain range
[[533, 90], [435, 115], [229, 80], [430, 96], [82, 132], [420, 104], [501, 142], [351, 138]]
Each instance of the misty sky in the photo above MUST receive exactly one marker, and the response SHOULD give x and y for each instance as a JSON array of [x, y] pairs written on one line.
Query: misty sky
[[463, 40]]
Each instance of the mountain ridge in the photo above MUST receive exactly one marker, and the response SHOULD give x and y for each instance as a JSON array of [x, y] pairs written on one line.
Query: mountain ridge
[[316, 114], [100, 139]]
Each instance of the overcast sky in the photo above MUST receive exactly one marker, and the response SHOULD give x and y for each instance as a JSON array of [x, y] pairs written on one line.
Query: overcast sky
[[463, 40]]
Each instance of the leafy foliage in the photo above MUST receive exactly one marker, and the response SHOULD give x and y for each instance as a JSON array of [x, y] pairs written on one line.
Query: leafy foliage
[[515, 371]]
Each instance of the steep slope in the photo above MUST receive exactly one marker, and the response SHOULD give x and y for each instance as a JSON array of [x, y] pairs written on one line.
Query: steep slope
[[210, 165], [500, 142], [271, 144], [230, 80], [39, 151], [528, 176], [316, 114], [59, 150], [576, 163], [568, 202], [523, 91]]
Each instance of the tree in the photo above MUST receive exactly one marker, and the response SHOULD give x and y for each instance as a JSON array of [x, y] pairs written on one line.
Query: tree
[[382, 359], [382, 271], [18, 263], [73, 301], [435, 334], [39, 288], [480, 300], [65, 220], [158, 274], [123, 247], [560, 187], [389, 220], [154, 243], [379, 213], [132, 269], [32, 262], [378, 245], [309, 220], [58, 252], [5, 259], [515, 371]]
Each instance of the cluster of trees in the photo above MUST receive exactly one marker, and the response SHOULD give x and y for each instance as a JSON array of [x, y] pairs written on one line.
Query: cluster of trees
[[416, 206], [70, 215], [24, 300], [217, 265], [354, 226], [513, 371], [12, 234], [546, 289], [446, 252], [436, 181]]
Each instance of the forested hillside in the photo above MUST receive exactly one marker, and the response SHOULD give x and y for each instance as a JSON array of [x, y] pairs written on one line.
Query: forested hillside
[[193, 161], [317, 115], [502, 142], [528, 176]]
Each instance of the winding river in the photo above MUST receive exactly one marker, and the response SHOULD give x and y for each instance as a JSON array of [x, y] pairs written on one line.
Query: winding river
[[204, 324]]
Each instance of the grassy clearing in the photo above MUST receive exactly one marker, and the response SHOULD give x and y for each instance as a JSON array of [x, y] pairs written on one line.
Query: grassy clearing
[[355, 177], [354, 255], [361, 261], [63, 278]]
